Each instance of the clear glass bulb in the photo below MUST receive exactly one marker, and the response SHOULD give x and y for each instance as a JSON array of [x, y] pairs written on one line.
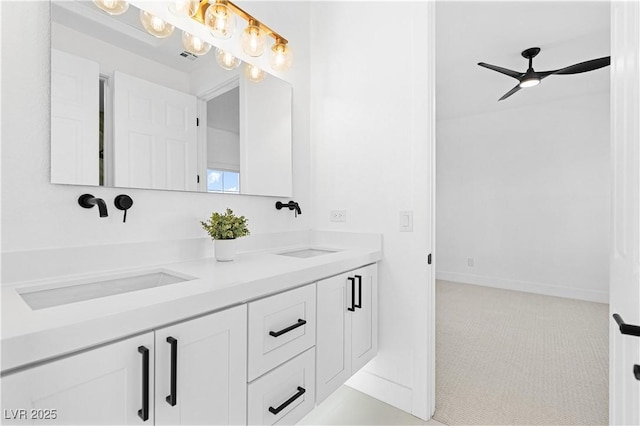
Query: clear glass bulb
[[220, 20], [281, 57], [155, 26], [226, 60], [183, 8], [112, 7], [194, 44], [254, 73], [254, 40]]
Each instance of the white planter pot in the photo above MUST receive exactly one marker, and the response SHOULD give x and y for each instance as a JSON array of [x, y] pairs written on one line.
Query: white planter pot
[[224, 250]]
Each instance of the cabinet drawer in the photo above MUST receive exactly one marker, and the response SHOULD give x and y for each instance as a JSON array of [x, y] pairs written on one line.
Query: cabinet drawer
[[280, 327], [284, 395]]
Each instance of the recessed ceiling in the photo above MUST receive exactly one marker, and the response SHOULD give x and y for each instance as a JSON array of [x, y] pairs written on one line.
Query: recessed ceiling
[[468, 32]]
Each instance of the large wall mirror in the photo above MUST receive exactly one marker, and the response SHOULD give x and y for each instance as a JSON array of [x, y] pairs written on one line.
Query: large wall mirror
[[134, 111]]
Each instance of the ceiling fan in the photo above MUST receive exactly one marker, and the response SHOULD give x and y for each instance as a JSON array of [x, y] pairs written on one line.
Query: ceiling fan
[[532, 78]]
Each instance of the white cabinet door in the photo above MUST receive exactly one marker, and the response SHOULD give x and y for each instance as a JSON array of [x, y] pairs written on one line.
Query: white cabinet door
[[101, 386], [333, 335], [347, 327], [364, 326], [75, 147], [201, 370], [155, 139]]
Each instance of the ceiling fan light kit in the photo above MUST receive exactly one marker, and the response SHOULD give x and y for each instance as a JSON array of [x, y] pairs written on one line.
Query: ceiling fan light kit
[[532, 78]]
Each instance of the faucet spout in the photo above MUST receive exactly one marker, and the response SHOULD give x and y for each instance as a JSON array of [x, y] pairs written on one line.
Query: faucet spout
[[291, 205], [88, 201]]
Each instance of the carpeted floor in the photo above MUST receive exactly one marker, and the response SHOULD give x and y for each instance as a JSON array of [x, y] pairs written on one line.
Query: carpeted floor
[[505, 357]]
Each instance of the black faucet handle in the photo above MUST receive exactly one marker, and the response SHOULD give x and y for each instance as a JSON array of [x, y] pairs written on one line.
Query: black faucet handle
[[123, 202]]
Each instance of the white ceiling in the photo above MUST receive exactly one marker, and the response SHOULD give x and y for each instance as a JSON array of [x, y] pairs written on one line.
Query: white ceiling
[[496, 32]]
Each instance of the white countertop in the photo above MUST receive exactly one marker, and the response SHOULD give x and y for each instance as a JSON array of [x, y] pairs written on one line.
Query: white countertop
[[30, 336]]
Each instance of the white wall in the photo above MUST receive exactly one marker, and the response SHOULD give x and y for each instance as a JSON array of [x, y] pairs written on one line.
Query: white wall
[[525, 193], [111, 58], [37, 215], [370, 156]]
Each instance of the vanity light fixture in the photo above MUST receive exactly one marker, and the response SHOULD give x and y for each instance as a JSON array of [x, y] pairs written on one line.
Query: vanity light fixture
[[184, 8], [194, 44], [155, 26], [226, 60], [112, 7], [219, 17], [254, 40], [281, 57], [253, 73]]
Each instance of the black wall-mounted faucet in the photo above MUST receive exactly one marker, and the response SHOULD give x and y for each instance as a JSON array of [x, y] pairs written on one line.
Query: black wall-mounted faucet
[[88, 201], [292, 205]]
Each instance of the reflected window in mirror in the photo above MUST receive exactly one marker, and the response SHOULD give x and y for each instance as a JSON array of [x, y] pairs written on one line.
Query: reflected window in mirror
[[223, 181]]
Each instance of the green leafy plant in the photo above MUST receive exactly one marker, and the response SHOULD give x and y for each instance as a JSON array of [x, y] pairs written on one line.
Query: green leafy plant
[[225, 226]]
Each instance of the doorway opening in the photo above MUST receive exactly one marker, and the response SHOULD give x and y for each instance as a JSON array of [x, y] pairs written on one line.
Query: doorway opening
[[522, 215]]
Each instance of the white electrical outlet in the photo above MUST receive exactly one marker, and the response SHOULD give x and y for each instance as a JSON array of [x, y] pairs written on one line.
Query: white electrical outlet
[[338, 216], [470, 262]]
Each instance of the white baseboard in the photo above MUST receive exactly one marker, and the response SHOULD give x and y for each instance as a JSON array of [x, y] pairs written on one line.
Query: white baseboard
[[383, 389], [526, 286]]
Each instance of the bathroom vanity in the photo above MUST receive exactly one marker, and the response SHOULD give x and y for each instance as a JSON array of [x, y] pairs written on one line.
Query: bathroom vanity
[[260, 340]]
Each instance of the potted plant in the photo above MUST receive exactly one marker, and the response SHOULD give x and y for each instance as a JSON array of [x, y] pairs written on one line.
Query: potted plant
[[223, 230]]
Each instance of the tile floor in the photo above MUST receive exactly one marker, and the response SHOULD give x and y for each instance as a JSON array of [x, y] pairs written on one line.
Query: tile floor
[[347, 406]]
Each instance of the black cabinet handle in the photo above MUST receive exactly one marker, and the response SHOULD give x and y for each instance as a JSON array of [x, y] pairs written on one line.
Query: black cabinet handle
[[172, 399], [300, 323], [636, 371], [143, 413], [353, 294], [632, 330], [284, 405], [359, 305]]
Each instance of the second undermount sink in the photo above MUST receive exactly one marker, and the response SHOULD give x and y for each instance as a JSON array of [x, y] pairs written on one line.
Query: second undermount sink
[[82, 290], [307, 252]]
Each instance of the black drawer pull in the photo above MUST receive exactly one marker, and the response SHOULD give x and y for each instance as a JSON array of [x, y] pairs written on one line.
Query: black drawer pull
[[632, 330], [636, 371], [353, 294], [172, 399], [300, 323], [359, 305], [143, 413], [284, 405]]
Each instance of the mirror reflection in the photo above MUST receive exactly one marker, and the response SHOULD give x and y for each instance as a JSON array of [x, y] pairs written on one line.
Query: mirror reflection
[[135, 111]]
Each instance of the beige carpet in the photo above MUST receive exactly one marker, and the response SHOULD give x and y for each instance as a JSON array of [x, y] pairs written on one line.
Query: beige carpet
[[505, 357]]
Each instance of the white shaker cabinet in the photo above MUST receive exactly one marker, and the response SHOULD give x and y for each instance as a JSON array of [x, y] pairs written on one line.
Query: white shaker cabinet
[[347, 327], [112, 384], [201, 370], [193, 372]]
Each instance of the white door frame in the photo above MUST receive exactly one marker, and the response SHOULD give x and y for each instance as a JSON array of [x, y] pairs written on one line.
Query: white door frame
[[624, 290]]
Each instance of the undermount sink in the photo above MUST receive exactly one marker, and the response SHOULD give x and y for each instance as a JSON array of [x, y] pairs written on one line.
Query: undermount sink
[[307, 252], [78, 291]]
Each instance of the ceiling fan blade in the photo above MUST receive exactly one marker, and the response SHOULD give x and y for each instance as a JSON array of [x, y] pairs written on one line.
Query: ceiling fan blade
[[509, 93], [591, 65], [510, 73]]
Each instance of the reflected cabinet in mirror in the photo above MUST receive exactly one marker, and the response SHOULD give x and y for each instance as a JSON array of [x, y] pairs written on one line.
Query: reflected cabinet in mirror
[[134, 111]]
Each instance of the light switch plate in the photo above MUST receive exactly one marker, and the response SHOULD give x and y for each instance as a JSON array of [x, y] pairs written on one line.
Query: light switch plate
[[338, 216], [406, 221]]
